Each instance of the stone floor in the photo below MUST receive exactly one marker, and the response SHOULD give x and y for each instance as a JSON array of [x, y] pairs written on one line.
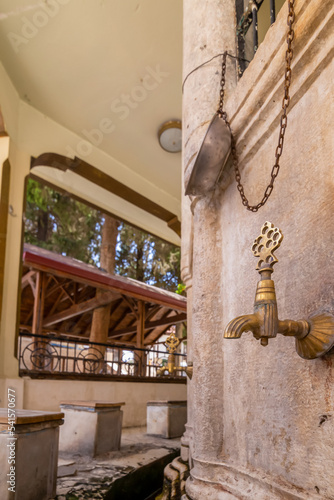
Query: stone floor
[[82, 477]]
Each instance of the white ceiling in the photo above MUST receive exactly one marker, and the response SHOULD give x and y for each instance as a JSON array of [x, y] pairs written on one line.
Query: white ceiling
[[75, 60]]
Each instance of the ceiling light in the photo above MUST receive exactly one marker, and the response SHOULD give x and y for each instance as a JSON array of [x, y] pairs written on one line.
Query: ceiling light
[[170, 136]]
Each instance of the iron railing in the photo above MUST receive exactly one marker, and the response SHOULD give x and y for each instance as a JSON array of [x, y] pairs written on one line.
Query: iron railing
[[43, 356], [248, 27]]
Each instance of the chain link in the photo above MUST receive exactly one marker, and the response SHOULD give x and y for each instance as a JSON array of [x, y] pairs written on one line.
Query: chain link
[[283, 120], [220, 110]]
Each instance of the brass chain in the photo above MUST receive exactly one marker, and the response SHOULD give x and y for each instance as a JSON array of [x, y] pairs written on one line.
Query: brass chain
[[283, 120]]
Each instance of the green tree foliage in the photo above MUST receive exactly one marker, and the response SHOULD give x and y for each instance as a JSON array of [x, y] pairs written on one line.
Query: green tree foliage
[[144, 257], [63, 225], [181, 289]]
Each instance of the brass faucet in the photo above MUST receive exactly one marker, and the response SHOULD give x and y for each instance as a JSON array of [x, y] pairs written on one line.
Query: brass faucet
[[172, 343], [314, 336]]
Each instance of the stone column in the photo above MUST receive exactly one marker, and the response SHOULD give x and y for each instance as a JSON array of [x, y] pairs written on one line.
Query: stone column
[[209, 29], [186, 276]]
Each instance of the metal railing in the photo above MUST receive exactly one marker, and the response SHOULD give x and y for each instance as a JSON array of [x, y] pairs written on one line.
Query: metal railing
[[50, 356], [248, 28]]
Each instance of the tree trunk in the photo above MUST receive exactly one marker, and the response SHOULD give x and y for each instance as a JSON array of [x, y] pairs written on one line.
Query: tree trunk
[[42, 225], [108, 245], [101, 316], [139, 263]]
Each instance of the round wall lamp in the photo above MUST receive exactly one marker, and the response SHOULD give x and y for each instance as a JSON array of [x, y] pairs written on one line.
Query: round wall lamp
[[170, 136]]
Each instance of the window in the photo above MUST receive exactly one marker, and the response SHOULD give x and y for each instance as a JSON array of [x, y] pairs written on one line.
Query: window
[[254, 18]]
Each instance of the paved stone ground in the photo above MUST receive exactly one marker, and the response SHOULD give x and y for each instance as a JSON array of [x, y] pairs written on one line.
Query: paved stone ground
[[81, 477]]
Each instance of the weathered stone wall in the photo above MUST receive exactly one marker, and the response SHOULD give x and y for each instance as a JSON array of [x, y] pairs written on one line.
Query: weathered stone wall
[[207, 32], [263, 418]]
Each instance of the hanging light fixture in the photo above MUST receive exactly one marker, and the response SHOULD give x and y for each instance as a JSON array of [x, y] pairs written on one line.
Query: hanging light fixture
[[170, 136]]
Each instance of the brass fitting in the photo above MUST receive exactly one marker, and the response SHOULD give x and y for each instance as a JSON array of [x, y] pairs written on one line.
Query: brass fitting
[[314, 337], [172, 342], [189, 370]]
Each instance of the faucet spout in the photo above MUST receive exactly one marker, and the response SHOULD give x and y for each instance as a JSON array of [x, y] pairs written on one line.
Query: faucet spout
[[241, 324], [314, 336]]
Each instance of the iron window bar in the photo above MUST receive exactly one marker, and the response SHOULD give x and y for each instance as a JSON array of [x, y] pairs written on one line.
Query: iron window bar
[[245, 19]]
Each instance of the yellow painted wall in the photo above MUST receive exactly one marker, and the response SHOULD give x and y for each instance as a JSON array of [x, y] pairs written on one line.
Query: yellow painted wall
[[31, 134], [47, 395], [10, 105]]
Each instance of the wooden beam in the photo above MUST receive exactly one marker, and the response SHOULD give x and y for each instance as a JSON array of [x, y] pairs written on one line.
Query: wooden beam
[[131, 304], [30, 313], [56, 303], [164, 315], [108, 283], [63, 287], [56, 334], [157, 334], [140, 324], [38, 311], [123, 315], [114, 306], [55, 287], [140, 336], [101, 179], [169, 320], [36, 324], [152, 312], [26, 280], [33, 286], [79, 325], [78, 309], [85, 292]]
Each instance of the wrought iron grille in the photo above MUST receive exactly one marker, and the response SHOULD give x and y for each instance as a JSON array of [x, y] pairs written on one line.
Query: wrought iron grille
[[251, 26], [50, 356]]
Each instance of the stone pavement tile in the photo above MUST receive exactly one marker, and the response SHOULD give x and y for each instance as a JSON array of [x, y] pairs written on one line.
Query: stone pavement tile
[[66, 470], [94, 476], [85, 468], [62, 461]]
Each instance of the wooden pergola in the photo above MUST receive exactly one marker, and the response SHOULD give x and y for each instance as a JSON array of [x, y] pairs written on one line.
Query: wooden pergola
[[58, 296]]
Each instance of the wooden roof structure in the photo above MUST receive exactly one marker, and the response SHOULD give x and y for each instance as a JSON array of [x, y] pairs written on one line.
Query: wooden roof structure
[[58, 296]]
